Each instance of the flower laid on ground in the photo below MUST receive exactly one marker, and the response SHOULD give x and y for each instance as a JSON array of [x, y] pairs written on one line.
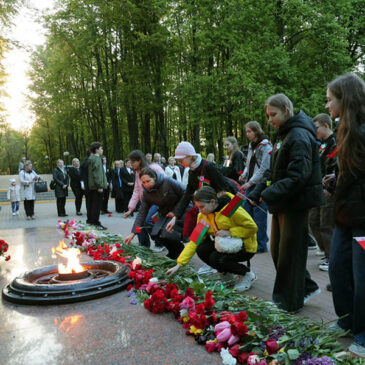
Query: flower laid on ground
[[68, 227], [242, 330], [4, 249]]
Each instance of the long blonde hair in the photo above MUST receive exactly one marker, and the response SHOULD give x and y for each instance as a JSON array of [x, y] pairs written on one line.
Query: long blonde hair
[[235, 145]]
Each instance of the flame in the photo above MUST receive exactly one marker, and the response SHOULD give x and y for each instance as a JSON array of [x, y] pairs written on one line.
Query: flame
[[71, 254], [69, 322]]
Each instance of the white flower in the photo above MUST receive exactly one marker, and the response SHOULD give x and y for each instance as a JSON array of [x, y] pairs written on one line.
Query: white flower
[[184, 312], [153, 280], [227, 358], [136, 261]]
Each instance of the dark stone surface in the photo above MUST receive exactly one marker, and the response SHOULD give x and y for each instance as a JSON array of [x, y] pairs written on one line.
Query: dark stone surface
[[108, 330]]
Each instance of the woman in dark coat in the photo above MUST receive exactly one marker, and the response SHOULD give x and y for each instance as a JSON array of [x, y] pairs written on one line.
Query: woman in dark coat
[[235, 164], [117, 191], [128, 177], [61, 191], [164, 192], [292, 186], [346, 100]]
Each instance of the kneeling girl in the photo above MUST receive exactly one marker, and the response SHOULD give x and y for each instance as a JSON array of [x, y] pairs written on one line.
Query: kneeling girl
[[222, 230]]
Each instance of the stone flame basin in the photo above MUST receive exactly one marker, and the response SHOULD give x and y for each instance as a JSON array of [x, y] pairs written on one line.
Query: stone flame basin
[[46, 286]]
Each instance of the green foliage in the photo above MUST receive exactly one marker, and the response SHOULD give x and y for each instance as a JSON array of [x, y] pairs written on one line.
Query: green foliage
[[148, 74]]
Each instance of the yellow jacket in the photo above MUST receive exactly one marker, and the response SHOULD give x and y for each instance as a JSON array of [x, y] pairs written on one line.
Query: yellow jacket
[[240, 225]]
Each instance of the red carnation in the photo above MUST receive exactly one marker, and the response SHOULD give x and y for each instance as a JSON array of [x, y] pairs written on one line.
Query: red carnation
[[242, 358], [8, 258], [138, 229], [272, 347], [110, 214], [242, 316], [209, 301], [211, 346], [239, 328], [235, 351], [117, 245]]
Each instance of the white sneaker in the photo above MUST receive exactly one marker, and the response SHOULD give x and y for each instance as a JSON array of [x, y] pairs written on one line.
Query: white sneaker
[[312, 295], [320, 253], [246, 281], [323, 266], [14, 213], [206, 270], [157, 248]]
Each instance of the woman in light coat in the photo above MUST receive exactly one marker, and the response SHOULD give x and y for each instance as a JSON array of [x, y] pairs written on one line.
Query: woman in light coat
[[27, 178]]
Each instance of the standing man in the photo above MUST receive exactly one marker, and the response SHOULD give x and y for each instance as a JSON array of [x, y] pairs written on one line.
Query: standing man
[[128, 177], [106, 191], [61, 179], [21, 164], [97, 183], [149, 157], [75, 176]]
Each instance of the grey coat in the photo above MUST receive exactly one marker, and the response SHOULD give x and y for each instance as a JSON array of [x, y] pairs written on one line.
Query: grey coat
[[166, 193]]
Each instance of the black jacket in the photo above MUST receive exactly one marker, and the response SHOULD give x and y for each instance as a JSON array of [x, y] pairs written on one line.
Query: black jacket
[[127, 178], [165, 194], [294, 178], [60, 179], [236, 166], [350, 201], [75, 177], [215, 179], [84, 173]]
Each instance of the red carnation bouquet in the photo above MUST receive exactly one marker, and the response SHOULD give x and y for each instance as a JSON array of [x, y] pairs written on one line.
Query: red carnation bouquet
[[4, 249]]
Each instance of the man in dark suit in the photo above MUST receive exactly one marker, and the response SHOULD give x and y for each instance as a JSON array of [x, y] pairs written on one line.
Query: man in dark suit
[[75, 176], [106, 191], [61, 179]]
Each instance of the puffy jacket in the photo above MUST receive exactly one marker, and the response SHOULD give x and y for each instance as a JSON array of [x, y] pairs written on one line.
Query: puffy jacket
[[240, 225], [294, 178], [165, 194], [27, 190], [138, 188], [262, 154]]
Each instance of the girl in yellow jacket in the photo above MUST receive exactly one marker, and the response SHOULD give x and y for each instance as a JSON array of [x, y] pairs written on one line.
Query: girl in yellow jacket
[[237, 233]]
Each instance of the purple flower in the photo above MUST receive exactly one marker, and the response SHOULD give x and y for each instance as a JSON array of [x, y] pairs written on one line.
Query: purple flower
[[325, 360], [134, 301], [131, 293]]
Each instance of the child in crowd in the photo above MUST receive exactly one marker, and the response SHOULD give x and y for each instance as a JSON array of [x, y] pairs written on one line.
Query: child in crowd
[[228, 242], [14, 196]]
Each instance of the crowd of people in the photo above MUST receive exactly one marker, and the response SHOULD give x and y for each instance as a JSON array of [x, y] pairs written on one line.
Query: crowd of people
[[310, 178]]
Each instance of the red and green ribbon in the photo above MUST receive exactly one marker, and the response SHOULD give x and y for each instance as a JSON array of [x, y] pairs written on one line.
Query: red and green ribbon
[[155, 217], [360, 241], [233, 205], [199, 232], [202, 181]]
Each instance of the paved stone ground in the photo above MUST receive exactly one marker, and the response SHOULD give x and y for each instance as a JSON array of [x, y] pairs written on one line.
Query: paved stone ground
[[107, 330]]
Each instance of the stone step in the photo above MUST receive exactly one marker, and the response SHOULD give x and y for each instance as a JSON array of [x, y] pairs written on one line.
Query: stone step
[[49, 195]]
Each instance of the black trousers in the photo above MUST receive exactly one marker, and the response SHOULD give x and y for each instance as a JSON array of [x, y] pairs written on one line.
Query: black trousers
[[127, 198], [79, 193], [61, 202], [223, 262], [289, 251], [95, 204], [106, 193], [174, 247], [119, 203], [29, 207]]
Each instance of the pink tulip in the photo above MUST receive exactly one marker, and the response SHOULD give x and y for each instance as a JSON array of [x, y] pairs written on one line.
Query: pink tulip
[[232, 340], [221, 326], [224, 335]]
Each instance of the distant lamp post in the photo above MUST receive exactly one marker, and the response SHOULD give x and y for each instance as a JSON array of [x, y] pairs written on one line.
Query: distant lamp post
[[66, 154]]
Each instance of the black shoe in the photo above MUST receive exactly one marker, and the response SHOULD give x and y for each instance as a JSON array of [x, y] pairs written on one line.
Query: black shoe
[[101, 228], [78, 213], [329, 287], [103, 212]]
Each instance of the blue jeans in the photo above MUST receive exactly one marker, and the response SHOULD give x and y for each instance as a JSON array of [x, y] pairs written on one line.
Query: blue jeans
[[15, 207], [144, 236], [347, 275], [260, 219]]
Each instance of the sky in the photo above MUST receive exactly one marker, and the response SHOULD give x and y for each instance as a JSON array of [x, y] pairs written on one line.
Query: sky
[[29, 34]]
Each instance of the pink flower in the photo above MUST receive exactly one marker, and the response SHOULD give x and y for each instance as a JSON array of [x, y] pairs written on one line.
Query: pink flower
[[188, 303], [233, 339], [221, 326], [224, 335]]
